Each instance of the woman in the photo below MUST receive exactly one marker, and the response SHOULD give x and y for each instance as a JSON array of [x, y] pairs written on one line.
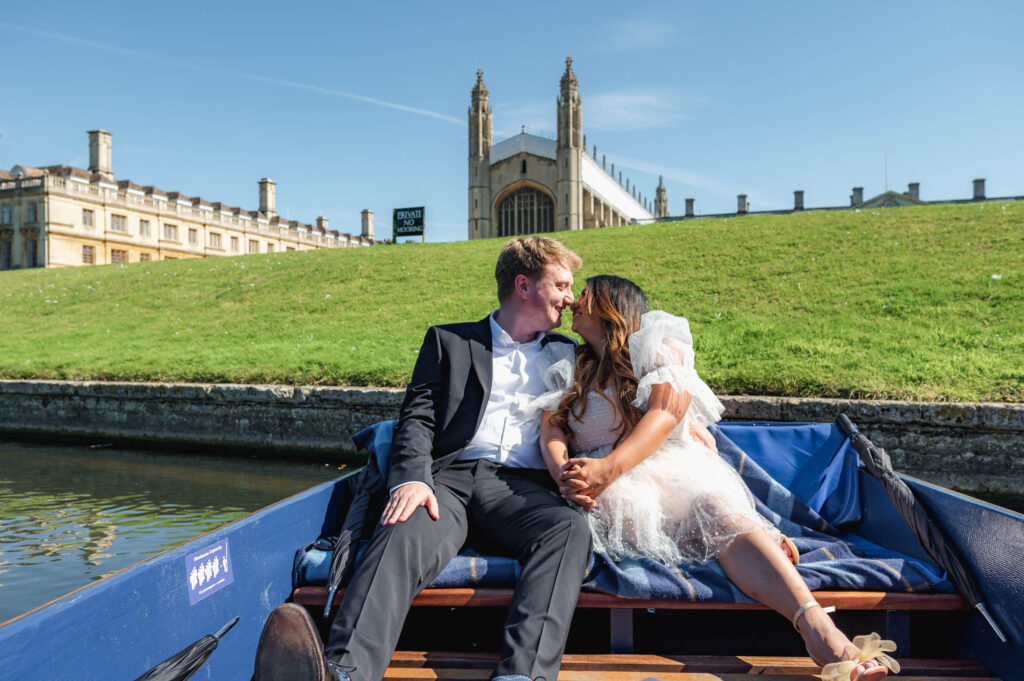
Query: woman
[[654, 489]]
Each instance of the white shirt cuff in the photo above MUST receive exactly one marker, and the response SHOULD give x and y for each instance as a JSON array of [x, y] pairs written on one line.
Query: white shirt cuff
[[411, 482]]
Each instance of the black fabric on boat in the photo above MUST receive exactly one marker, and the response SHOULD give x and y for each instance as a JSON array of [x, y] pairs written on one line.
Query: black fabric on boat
[[931, 537], [367, 494], [188, 661]]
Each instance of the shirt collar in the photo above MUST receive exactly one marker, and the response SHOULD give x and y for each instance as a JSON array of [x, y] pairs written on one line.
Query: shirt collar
[[501, 339]]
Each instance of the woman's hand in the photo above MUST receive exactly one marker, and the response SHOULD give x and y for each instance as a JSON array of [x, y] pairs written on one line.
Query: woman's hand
[[594, 474], [575, 491], [702, 436]]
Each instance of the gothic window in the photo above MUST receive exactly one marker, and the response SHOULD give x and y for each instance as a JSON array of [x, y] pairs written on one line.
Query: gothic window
[[524, 166], [526, 211]]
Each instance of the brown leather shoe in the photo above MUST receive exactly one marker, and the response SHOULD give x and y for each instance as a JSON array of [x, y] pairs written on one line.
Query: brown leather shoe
[[290, 648]]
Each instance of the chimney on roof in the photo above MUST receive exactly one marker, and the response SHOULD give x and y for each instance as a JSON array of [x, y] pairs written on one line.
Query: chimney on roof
[[857, 197], [798, 199], [914, 190], [979, 189], [99, 153], [742, 205], [267, 198], [321, 223], [367, 224], [689, 208]]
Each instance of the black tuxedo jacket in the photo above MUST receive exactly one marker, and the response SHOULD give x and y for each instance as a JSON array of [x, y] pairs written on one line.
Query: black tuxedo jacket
[[445, 400]]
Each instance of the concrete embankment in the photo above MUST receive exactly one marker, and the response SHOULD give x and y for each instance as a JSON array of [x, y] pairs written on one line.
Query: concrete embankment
[[978, 446]]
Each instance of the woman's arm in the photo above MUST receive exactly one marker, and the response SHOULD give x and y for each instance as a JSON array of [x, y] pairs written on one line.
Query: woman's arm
[[666, 409], [553, 445], [555, 449]]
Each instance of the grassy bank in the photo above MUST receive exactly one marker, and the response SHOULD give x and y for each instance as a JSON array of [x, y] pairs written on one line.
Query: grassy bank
[[895, 303]]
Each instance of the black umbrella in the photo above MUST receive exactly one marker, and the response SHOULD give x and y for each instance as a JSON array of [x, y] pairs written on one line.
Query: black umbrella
[[366, 489], [184, 664], [931, 537]]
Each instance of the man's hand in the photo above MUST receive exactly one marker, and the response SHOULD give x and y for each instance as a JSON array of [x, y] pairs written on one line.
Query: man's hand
[[406, 499]]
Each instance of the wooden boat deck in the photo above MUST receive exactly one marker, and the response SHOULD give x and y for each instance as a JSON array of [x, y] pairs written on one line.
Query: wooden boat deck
[[421, 666], [626, 666]]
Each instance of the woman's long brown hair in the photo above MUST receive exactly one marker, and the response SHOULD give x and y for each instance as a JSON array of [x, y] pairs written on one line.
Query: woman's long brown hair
[[618, 304]]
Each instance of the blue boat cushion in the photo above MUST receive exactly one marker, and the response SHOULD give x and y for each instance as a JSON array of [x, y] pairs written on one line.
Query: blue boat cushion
[[817, 507]]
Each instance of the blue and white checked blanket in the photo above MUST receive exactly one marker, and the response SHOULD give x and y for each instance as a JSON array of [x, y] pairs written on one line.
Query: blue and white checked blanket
[[820, 493]]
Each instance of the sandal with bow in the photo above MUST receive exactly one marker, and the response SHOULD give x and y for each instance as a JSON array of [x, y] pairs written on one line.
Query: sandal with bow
[[871, 654], [789, 548]]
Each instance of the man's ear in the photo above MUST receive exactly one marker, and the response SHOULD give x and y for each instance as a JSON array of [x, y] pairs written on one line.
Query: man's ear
[[522, 285]]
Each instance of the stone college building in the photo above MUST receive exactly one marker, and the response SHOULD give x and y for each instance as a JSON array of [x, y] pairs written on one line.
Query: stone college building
[[528, 183], [60, 216]]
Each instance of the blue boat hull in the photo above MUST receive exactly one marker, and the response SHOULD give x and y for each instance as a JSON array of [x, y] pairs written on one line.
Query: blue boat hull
[[125, 624]]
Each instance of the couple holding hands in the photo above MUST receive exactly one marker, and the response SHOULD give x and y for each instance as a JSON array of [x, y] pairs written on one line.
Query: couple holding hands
[[530, 446]]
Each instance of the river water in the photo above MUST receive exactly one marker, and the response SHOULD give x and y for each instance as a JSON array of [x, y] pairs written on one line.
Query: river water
[[70, 515]]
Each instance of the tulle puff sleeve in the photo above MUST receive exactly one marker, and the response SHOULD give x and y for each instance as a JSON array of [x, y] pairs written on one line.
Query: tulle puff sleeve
[[556, 362], [662, 352]]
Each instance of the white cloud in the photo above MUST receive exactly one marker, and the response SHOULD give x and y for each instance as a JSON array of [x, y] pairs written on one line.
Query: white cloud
[[681, 175], [632, 34], [636, 109], [49, 35], [538, 117], [760, 199]]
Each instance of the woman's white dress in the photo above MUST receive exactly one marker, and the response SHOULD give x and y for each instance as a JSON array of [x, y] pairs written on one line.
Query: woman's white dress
[[683, 502]]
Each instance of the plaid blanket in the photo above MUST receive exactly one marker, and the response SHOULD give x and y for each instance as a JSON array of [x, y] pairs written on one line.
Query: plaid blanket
[[830, 558]]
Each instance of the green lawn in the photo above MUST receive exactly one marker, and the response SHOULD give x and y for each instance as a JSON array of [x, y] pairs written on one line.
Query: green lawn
[[908, 303]]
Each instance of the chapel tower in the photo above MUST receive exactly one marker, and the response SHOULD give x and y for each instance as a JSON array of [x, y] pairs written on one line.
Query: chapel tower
[[569, 185], [480, 161]]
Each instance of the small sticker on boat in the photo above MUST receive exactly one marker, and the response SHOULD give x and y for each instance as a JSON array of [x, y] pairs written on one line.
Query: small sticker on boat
[[208, 571]]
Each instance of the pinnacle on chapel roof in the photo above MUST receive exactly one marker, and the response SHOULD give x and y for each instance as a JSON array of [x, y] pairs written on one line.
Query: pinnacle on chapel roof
[[569, 78], [479, 88]]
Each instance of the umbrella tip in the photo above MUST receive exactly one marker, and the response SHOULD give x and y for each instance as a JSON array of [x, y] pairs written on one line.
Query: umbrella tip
[[225, 628], [846, 425], [331, 590]]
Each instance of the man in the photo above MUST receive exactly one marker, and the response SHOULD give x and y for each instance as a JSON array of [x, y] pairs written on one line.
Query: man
[[463, 464]]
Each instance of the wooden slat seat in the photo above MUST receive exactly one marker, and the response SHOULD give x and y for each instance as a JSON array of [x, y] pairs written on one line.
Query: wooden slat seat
[[316, 596], [895, 606]]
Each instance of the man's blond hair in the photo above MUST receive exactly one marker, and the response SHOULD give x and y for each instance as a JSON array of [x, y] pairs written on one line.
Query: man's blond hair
[[529, 256]]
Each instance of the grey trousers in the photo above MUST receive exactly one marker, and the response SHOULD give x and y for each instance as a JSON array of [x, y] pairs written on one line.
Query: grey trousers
[[508, 511]]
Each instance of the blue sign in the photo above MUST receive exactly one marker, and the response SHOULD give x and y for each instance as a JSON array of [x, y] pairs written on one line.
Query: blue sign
[[208, 570]]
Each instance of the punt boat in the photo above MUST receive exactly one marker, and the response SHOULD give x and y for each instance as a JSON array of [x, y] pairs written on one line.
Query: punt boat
[[126, 624]]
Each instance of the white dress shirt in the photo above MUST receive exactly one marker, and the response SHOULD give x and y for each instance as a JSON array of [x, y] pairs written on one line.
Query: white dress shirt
[[507, 434]]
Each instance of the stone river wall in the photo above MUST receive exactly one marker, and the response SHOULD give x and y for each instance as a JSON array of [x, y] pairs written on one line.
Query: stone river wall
[[973, 446]]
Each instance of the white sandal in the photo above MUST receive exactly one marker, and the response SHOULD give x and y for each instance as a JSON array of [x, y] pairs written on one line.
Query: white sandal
[[789, 548], [871, 653]]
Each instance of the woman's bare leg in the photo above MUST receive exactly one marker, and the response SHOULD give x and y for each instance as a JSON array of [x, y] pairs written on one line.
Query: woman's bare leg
[[758, 566]]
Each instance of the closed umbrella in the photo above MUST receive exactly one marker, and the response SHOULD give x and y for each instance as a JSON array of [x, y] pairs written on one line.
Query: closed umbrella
[[367, 493], [931, 537], [184, 664]]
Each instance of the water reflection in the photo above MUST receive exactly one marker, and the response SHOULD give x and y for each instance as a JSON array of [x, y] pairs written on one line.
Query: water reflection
[[71, 515]]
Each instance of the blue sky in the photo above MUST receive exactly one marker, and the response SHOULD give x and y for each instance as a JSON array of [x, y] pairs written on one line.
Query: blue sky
[[363, 105]]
